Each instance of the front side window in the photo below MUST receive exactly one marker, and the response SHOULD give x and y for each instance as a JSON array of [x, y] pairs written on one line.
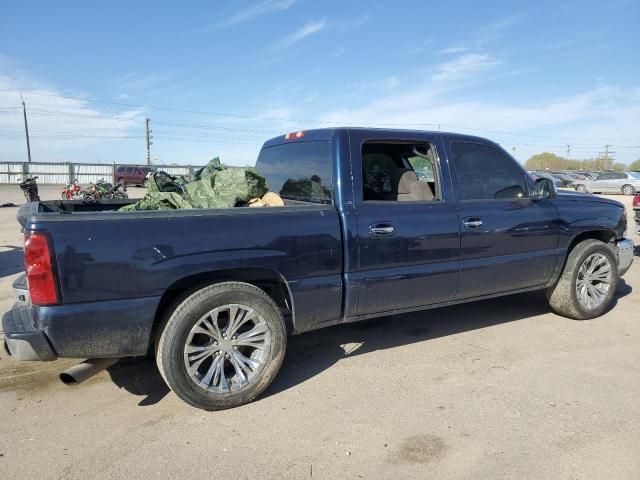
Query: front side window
[[485, 173], [298, 170]]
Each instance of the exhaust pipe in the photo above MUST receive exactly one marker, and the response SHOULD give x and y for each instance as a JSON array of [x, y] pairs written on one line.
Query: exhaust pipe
[[85, 370]]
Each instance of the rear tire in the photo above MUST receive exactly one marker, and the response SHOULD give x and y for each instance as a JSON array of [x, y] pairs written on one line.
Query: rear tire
[[568, 299], [581, 188], [628, 190], [222, 346]]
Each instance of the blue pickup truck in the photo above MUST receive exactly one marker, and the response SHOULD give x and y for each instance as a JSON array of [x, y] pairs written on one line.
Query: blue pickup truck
[[213, 294]]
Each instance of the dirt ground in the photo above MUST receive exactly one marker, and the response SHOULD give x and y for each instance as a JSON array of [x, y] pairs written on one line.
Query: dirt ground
[[497, 389]]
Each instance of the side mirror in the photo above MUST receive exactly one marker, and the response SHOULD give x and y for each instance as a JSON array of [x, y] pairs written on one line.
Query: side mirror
[[544, 188]]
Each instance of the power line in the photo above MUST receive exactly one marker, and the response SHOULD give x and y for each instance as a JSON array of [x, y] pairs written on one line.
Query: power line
[[302, 121]]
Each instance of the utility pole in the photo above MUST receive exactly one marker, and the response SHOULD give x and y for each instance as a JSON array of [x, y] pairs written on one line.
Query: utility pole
[[149, 143], [568, 151], [606, 154], [26, 127]]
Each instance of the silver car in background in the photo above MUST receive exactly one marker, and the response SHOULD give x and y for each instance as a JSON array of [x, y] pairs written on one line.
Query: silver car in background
[[627, 183]]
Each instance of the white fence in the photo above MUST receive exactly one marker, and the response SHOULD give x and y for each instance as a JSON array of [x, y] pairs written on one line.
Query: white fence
[[10, 172], [64, 173]]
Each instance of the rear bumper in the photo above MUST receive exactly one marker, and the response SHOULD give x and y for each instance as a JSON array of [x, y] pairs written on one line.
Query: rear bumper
[[22, 340], [115, 328], [624, 249]]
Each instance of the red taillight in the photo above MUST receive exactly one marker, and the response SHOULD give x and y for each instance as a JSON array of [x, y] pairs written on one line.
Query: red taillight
[[636, 200], [39, 267], [294, 135]]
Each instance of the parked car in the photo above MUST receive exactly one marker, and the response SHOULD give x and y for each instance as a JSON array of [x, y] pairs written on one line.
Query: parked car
[[131, 175], [214, 293], [611, 182], [556, 181], [576, 176], [566, 180], [589, 175]]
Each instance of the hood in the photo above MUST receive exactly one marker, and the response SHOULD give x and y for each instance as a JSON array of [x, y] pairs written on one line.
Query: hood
[[587, 197]]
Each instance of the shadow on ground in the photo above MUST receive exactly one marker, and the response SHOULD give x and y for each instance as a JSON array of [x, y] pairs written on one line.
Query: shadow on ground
[[311, 353], [140, 376], [11, 261]]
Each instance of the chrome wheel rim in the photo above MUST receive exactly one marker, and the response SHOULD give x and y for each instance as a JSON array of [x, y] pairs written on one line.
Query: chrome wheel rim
[[593, 281], [227, 348], [627, 190]]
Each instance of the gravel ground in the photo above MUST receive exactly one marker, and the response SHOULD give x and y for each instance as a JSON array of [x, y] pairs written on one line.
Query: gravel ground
[[496, 389]]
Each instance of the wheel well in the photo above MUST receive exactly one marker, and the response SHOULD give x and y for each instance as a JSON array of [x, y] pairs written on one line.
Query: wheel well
[[269, 281], [605, 236]]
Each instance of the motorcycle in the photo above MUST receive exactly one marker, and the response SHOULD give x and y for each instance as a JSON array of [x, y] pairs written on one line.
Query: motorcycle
[[30, 189], [73, 191], [105, 190], [117, 192]]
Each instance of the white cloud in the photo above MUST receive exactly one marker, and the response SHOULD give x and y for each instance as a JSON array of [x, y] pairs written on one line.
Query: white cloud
[[308, 29], [447, 51], [463, 66], [61, 128], [539, 126], [257, 10]]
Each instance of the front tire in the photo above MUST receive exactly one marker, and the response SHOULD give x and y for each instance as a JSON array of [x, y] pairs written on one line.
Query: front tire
[[222, 346], [588, 282], [581, 188], [628, 190]]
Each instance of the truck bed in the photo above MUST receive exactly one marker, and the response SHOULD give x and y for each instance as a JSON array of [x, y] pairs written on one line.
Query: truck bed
[[115, 268]]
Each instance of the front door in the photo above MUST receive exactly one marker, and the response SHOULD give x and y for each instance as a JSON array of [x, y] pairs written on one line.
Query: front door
[[601, 183], [508, 241], [408, 233]]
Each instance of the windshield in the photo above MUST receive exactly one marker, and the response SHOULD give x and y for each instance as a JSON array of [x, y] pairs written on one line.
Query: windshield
[[635, 175]]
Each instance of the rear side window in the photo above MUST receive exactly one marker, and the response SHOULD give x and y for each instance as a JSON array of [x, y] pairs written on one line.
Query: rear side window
[[298, 170], [486, 173]]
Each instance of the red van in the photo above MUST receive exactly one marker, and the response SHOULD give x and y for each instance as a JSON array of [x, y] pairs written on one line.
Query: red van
[[132, 175]]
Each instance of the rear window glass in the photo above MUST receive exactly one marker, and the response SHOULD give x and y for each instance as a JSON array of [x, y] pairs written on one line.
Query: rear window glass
[[298, 171]]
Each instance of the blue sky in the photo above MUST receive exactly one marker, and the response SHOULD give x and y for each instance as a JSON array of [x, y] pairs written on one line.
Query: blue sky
[[230, 74]]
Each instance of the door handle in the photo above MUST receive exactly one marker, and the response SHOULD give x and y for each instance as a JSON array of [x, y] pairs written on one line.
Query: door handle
[[472, 223], [382, 230]]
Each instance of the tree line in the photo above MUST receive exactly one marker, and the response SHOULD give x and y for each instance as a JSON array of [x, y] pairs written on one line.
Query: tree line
[[551, 161]]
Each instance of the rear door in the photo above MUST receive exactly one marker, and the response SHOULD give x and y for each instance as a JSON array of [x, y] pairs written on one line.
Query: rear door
[[508, 241], [617, 181], [407, 243]]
